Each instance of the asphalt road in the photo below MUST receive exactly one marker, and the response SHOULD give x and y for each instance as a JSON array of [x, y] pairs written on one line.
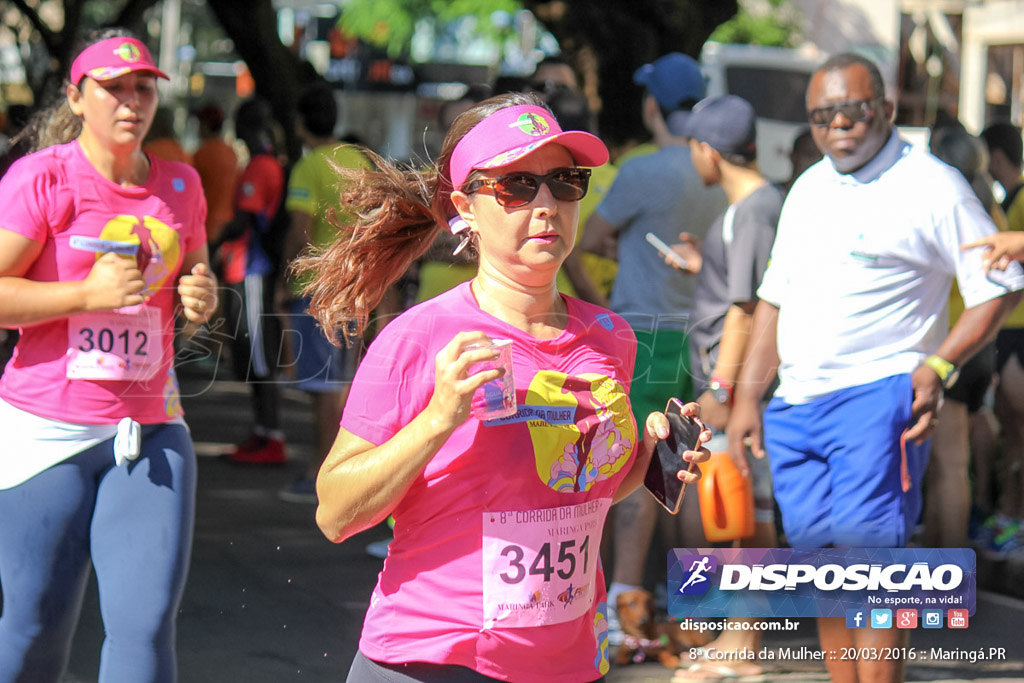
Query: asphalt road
[[270, 600]]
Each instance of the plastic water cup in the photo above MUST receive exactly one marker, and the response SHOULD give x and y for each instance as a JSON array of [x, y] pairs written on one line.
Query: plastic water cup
[[497, 398]]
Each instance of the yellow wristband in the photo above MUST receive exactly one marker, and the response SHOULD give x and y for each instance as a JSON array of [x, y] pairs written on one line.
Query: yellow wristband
[[946, 371]]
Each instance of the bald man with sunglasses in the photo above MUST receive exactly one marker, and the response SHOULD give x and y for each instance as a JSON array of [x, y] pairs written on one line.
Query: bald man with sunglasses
[[852, 314]]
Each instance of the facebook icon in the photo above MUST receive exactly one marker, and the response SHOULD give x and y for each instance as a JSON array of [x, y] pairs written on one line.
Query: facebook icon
[[855, 618]]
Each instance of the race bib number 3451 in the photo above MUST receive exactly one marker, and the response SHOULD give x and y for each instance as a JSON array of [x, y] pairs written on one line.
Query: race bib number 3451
[[540, 566]]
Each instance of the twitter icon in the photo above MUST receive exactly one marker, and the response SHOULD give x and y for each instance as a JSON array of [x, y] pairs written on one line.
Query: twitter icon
[[881, 618]]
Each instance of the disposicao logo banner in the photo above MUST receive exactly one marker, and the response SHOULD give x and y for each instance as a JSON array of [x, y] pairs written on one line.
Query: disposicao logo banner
[[819, 582]]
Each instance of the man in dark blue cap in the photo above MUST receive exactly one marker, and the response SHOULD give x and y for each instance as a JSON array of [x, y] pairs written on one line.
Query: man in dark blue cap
[[658, 193]]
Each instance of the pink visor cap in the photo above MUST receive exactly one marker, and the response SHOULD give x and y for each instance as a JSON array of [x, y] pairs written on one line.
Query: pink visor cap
[[513, 132], [112, 58]]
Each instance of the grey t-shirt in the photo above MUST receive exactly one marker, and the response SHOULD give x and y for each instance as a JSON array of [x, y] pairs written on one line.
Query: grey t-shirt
[[660, 193], [735, 258]]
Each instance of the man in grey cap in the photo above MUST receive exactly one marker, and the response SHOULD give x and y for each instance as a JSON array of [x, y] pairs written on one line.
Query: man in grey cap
[[734, 256], [657, 193]]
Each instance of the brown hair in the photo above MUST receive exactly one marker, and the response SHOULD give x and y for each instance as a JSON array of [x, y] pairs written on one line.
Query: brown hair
[[394, 215]]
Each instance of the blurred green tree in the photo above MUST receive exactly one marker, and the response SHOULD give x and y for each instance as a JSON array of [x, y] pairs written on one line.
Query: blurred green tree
[[765, 22], [605, 40], [53, 29]]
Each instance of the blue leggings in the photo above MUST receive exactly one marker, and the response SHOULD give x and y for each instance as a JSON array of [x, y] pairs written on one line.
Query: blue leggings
[[135, 523]]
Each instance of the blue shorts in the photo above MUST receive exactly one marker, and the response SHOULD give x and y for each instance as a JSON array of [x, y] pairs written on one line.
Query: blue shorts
[[836, 465], [320, 366]]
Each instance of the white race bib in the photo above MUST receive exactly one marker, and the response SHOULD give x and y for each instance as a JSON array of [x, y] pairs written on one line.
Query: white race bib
[[540, 566], [122, 344]]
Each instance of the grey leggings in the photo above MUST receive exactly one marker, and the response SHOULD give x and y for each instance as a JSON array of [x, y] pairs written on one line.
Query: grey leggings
[[134, 522]]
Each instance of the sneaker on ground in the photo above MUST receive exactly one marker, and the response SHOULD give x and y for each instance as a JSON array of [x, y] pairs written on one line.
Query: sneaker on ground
[[259, 450], [1007, 540], [302, 490], [987, 531]]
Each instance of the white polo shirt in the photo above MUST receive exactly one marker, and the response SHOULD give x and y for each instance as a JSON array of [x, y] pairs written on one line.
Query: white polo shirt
[[862, 265]]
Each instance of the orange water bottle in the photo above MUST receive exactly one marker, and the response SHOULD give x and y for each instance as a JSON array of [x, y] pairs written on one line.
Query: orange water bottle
[[726, 500]]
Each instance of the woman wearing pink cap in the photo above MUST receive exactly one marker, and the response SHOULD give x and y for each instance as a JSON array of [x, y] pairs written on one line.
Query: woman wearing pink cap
[[99, 244], [493, 573]]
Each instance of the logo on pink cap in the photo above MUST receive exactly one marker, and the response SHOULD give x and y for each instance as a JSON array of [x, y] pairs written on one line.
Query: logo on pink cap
[[127, 52], [111, 58], [531, 124]]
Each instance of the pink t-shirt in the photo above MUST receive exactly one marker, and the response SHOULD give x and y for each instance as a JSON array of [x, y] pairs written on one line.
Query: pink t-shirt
[[495, 562], [99, 368]]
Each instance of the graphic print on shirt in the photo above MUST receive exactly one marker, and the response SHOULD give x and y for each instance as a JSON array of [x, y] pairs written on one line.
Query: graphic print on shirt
[[125, 343], [581, 428], [158, 248], [601, 661]]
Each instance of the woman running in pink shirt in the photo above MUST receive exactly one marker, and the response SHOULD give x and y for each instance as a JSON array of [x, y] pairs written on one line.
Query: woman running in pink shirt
[[99, 244], [493, 573]]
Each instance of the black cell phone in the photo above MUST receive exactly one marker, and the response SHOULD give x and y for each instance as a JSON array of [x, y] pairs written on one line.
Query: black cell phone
[[661, 479]]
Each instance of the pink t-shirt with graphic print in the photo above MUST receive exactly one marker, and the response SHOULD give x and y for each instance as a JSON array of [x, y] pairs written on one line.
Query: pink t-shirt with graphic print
[[495, 561], [97, 369]]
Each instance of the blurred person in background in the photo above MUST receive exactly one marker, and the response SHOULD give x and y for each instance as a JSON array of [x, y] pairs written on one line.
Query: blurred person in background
[[162, 141], [734, 255], [249, 253], [1003, 532], [659, 193], [963, 431], [803, 155], [323, 369], [217, 164]]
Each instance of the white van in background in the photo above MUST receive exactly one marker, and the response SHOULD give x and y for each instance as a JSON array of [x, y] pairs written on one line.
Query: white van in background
[[774, 80]]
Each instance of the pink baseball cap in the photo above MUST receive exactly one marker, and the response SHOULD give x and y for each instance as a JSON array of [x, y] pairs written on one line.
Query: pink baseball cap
[[513, 132], [112, 58]]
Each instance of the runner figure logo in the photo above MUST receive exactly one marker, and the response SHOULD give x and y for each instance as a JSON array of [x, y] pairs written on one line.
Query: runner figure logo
[[698, 567]]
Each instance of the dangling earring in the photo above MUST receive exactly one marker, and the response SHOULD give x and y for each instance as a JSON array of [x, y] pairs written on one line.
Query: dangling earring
[[463, 244], [457, 224]]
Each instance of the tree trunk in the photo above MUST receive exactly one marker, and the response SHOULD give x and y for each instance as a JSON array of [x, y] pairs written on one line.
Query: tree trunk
[[278, 74], [607, 40]]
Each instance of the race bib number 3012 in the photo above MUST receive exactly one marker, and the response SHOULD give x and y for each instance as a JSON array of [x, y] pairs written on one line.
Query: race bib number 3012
[[540, 566], [122, 344]]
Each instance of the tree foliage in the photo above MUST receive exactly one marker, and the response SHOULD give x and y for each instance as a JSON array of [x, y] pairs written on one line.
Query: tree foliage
[[771, 22], [391, 23], [57, 27], [605, 40], [277, 72]]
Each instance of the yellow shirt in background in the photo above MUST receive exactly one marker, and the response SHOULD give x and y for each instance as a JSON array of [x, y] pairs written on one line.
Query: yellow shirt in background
[[313, 189]]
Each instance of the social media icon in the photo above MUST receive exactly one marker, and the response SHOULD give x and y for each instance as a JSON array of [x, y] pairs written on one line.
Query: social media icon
[[906, 618], [931, 618], [881, 618], [957, 618], [856, 618]]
